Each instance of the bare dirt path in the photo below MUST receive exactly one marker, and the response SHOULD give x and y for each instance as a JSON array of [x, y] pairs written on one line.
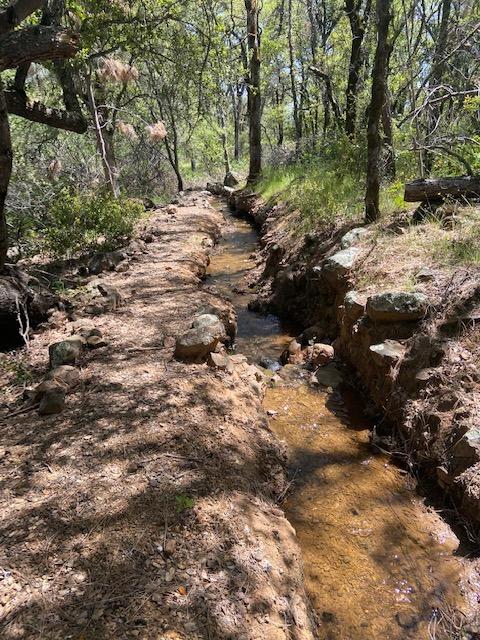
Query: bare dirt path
[[147, 508]]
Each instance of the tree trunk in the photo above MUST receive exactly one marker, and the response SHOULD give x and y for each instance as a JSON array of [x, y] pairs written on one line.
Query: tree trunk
[[390, 167], [296, 110], [438, 70], [379, 92], [357, 26], [436, 189], [6, 156], [254, 95], [223, 138]]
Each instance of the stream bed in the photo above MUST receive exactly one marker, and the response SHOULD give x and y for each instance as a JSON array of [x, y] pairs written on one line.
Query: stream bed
[[378, 563]]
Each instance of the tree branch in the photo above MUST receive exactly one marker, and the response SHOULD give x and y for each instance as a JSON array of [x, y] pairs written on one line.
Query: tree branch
[[18, 105], [13, 15], [34, 44]]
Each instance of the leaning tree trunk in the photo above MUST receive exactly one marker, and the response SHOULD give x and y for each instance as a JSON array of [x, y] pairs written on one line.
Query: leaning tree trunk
[[5, 173], [379, 93], [254, 95]]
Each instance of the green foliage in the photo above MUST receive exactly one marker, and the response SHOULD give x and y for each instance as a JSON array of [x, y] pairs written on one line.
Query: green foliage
[[183, 502], [79, 222], [461, 247]]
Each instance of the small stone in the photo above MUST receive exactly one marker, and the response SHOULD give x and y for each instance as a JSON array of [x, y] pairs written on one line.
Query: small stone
[[169, 342], [219, 361], [321, 354], [170, 547], [122, 267]]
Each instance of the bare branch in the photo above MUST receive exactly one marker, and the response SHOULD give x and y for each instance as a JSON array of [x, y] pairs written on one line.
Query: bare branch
[[34, 44]]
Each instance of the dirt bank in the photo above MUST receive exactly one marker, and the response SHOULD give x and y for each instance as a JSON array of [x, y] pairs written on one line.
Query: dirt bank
[[147, 508], [416, 354]]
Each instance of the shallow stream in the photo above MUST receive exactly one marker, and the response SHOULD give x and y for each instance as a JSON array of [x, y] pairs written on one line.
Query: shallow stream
[[378, 563]]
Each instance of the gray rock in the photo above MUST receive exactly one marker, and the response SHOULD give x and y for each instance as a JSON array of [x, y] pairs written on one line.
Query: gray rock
[[66, 351], [353, 236], [354, 305], [340, 264], [387, 353], [397, 306], [65, 374], [201, 339], [329, 376], [85, 328]]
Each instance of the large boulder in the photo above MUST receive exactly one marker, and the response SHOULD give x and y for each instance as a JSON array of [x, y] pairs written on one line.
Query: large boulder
[[206, 332], [397, 306]]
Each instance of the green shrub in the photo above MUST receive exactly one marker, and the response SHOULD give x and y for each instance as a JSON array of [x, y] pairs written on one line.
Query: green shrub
[[80, 222]]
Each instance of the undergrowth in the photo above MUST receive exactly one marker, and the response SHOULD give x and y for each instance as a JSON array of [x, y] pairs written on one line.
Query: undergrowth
[[327, 187]]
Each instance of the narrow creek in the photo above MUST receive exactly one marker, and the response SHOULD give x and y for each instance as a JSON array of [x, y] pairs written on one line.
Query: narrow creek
[[378, 563]]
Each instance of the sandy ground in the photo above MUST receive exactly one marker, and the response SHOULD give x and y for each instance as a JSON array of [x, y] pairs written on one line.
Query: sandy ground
[[147, 509]]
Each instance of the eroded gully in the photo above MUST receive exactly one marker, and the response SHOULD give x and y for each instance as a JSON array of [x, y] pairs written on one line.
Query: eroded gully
[[378, 563]]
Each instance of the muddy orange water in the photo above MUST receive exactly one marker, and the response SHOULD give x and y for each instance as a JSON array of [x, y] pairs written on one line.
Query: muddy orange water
[[378, 563]]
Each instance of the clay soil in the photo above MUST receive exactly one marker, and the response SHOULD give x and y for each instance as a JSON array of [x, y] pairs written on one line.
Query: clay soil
[[147, 508]]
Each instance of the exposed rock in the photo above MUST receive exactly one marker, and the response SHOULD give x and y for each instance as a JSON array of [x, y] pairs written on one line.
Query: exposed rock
[[169, 342], [387, 353], [65, 374], [66, 351], [397, 306], [329, 376], [353, 236], [340, 264], [230, 180], [207, 330], [354, 305], [219, 361], [321, 354], [466, 451], [219, 189]]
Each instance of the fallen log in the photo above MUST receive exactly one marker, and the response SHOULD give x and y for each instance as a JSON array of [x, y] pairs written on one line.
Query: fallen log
[[439, 189]]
